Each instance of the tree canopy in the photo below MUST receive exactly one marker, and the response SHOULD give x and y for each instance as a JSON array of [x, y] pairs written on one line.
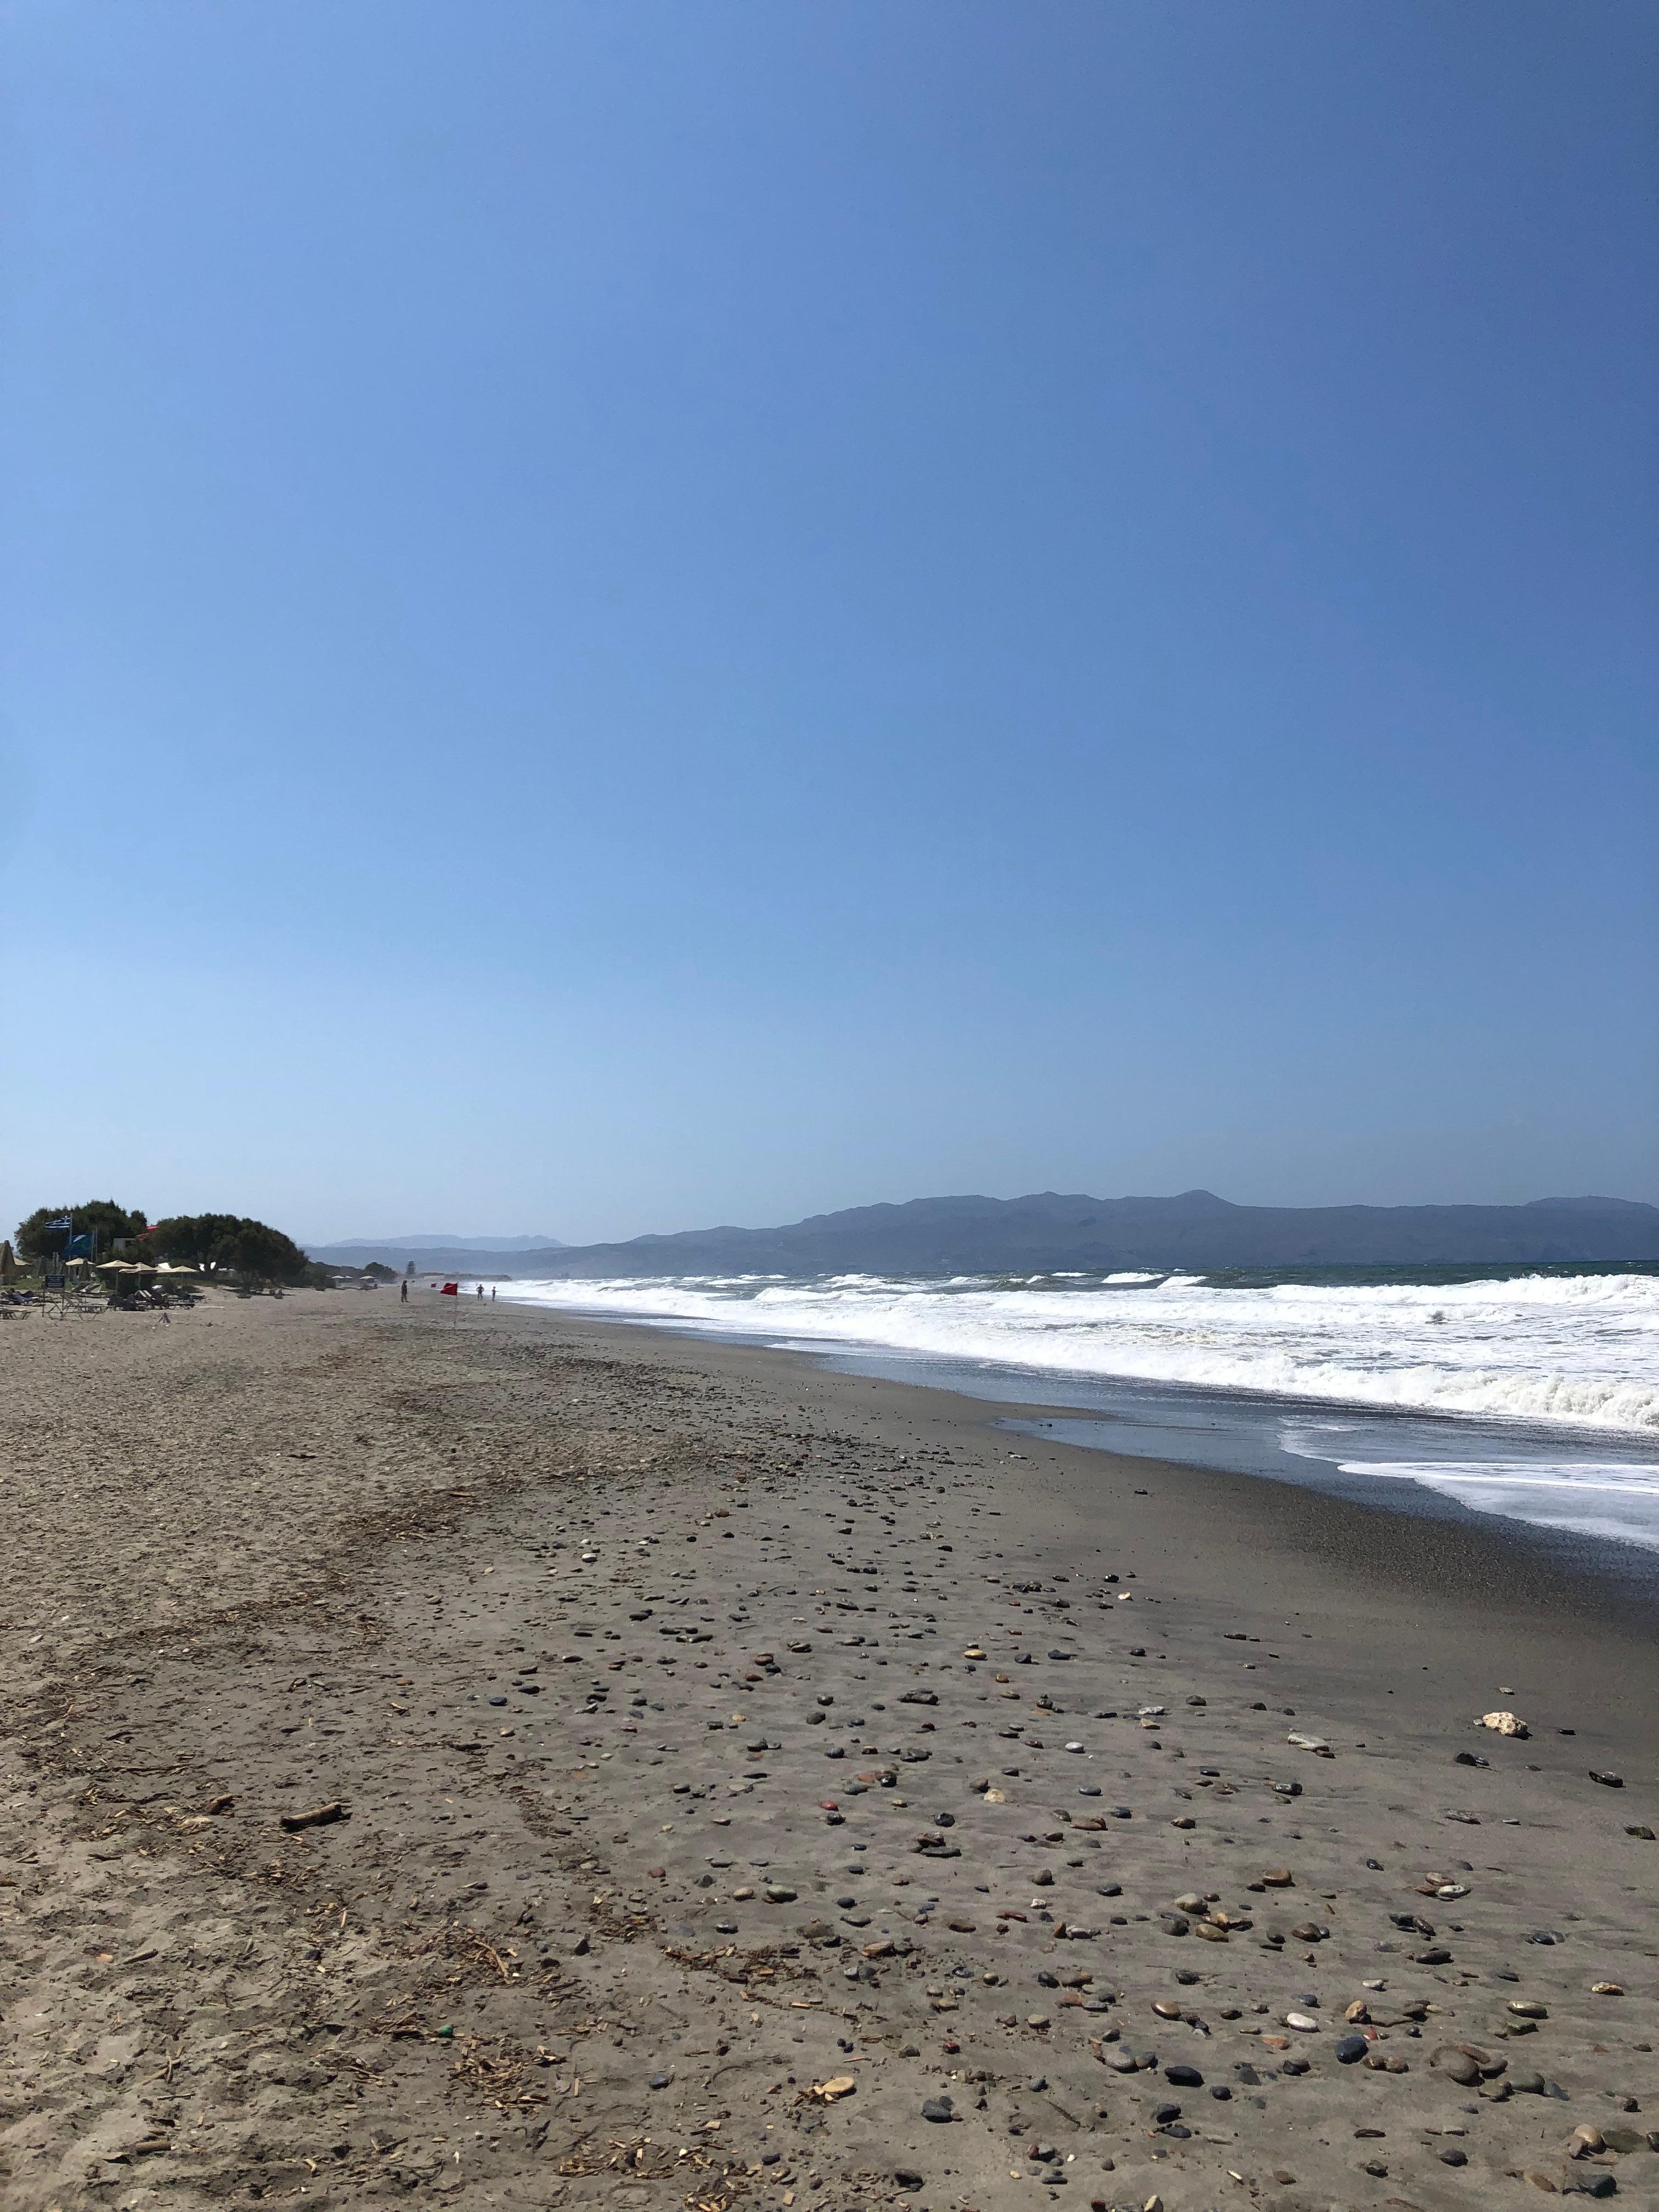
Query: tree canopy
[[37, 1238], [230, 1243]]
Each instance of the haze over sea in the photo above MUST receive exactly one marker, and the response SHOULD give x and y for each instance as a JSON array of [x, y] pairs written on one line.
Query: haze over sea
[[1533, 1394]]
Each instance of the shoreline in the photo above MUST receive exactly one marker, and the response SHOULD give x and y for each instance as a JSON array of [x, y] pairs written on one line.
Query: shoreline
[[1626, 1569], [511, 1759], [1503, 1577]]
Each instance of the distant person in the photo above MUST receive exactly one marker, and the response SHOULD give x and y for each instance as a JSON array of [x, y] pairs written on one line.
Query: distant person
[[481, 1290], [492, 1294], [403, 1292]]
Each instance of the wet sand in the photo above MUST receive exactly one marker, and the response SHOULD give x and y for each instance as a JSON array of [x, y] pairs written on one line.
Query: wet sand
[[730, 1759]]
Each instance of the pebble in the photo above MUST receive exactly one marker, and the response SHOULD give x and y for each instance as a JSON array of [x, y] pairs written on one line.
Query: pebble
[[1351, 2049], [938, 2109]]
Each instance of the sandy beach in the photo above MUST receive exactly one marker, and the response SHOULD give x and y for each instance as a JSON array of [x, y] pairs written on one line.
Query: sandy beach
[[405, 1791]]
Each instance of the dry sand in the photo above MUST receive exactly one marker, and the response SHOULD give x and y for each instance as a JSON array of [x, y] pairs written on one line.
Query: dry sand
[[736, 1762]]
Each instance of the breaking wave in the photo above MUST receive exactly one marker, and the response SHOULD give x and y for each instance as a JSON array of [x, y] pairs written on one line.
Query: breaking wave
[[1572, 1350]]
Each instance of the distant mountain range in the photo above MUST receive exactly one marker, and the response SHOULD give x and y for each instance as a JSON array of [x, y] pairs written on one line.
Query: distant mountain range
[[1048, 1232]]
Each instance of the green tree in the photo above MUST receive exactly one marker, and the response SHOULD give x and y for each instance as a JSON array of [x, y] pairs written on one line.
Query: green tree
[[193, 1240], [231, 1244], [259, 1254], [36, 1238]]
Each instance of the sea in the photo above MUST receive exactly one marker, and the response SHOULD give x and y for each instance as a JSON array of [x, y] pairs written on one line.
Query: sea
[[1528, 1393]]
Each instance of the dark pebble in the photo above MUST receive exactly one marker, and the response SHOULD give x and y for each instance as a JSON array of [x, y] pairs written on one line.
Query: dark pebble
[[1183, 2077], [1351, 2049], [937, 2108], [660, 2080], [1452, 2156], [907, 2177]]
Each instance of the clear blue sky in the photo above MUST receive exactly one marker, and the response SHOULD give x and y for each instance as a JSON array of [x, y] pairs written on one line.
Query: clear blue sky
[[624, 616]]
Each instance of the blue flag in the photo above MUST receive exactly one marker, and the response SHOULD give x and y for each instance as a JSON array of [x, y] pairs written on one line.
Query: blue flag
[[79, 1248]]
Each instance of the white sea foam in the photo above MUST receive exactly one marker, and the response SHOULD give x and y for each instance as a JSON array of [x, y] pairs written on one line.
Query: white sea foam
[[1588, 1496], [1579, 1351]]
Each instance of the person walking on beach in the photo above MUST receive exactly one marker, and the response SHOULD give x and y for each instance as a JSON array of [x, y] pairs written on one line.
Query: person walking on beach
[[403, 1291]]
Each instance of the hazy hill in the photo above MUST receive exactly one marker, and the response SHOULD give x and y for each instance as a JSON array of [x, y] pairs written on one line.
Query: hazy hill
[[974, 1235], [475, 1254]]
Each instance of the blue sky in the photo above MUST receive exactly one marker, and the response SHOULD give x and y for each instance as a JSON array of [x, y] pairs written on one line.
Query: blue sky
[[621, 617]]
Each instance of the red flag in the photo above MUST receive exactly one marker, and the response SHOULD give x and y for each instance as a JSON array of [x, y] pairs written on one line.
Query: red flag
[[450, 1290]]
